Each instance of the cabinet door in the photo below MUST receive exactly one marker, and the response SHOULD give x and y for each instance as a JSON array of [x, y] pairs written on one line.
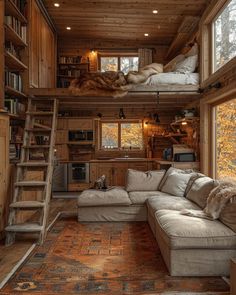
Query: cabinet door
[[119, 174], [62, 124], [62, 152], [142, 166], [61, 137], [82, 124]]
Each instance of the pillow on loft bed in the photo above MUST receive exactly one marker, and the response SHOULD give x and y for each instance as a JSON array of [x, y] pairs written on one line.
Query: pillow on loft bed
[[188, 65], [174, 63]]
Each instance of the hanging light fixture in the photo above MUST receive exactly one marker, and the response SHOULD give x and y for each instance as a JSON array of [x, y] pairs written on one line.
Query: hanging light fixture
[[121, 114]]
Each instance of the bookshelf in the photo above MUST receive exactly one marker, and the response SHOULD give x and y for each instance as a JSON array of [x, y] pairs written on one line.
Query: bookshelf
[[69, 68], [16, 67]]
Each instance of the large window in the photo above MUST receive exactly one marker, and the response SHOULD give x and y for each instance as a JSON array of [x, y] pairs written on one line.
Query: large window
[[121, 135], [224, 32], [119, 63], [225, 139]]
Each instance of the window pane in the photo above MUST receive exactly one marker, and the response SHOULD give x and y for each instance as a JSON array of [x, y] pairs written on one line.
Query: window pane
[[128, 64], [225, 35], [109, 135], [109, 64], [226, 139], [131, 135]]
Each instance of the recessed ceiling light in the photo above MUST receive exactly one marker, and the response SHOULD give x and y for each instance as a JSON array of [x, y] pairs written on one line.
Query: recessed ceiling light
[[146, 34], [155, 11], [56, 4], [68, 28]]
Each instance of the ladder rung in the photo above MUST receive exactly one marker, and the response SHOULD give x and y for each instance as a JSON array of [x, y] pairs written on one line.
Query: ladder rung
[[40, 113], [32, 164], [30, 183], [27, 204], [42, 126], [24, 228], [38, 130], [36, 146]]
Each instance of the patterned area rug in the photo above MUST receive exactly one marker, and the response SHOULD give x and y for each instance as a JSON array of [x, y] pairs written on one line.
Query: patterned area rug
[[103, 258]]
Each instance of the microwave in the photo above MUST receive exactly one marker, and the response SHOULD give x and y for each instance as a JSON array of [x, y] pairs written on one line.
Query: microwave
[[80, 135], [184, 157]]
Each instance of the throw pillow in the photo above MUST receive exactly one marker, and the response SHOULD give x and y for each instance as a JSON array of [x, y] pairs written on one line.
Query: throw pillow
[[200, 190], [176, 184], [188, 65], [228, 214], [170, 67], [143, 181], [193, 50]]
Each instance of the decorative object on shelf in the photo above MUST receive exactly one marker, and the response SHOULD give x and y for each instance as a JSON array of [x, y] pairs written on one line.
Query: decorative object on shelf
[[121, 114]]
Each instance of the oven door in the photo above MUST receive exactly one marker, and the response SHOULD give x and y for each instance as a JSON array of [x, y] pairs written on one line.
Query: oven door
[[78, 172]]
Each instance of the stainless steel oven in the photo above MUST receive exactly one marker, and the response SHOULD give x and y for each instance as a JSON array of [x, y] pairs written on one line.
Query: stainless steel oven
[[78, 172]]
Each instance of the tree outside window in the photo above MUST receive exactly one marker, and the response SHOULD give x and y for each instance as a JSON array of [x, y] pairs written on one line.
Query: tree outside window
[[119, 63], [122, 135], [224, 31]]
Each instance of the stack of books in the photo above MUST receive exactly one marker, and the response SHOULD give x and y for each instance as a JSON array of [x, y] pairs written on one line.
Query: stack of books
[[17, 26], [13, 80]]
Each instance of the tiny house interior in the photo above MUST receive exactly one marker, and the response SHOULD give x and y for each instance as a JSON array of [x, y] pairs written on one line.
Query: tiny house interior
[[97, 98]]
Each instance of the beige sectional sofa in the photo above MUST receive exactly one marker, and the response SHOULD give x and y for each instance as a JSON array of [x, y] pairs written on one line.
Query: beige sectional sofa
[[190, 246]]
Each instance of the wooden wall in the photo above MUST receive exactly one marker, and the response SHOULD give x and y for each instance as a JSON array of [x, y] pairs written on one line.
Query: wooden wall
[[67, 46], [42, 49], [1, 54]]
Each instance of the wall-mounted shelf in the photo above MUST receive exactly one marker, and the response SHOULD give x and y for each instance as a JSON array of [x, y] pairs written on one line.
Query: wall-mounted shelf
[[13, 63], [16, 117], [186, 119], [12, 9], [12, 36], [14, 92]]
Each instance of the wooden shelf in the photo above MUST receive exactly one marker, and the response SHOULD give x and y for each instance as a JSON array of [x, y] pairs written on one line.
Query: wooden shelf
[[11, 91], [79, 143], [13, 63], [16, 117], [186, 119], [12, 36], [74, 64], [12, 9]]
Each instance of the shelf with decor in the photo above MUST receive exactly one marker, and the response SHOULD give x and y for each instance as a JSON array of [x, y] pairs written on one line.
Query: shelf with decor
[[12, 9], [11, 35], [14, 92], [13, 63]]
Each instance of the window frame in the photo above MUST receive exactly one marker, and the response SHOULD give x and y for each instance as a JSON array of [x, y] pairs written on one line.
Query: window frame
[[120, 122], [118, 55]]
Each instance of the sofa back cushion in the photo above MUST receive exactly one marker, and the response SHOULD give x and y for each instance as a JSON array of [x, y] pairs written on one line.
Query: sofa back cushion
[[168, 172], [228, 214], [200, 190], [176, 183], [143, 181]]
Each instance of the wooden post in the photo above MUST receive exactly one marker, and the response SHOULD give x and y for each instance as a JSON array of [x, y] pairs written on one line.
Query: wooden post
[[233, 277], [2, 37]]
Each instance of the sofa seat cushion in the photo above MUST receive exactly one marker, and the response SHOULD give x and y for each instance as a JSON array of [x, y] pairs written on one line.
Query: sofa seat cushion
[[113, 197], [139, 198], [185, 232], [170, 203], [143, 181]]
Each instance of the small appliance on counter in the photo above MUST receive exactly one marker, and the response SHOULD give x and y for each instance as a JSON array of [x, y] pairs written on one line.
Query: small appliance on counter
[[183, 153]]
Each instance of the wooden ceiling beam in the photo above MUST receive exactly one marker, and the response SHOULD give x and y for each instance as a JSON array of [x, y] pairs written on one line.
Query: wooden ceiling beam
[[186, 29]]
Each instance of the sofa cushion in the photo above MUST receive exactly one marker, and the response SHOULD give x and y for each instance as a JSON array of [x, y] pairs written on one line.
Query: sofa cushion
[[185, 232], [141, 197], [176, 184], [113, 197], [200, 190], [143, 181], [228, 214], [169, 202]]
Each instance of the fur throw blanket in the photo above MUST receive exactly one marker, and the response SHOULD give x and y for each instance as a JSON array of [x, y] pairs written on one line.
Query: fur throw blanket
[[100, 84], [216, 201], [114, 84]]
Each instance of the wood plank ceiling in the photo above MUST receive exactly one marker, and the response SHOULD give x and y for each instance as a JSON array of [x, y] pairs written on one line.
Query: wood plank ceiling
[[126, 20]]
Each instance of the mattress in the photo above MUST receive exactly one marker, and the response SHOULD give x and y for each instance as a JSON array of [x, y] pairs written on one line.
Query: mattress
[[173, 78]]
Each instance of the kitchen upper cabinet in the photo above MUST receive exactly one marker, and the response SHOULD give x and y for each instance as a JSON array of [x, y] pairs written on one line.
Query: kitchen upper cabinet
[[42, 50]]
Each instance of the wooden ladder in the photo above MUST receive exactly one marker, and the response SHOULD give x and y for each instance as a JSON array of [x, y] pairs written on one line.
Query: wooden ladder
[[32, 189]]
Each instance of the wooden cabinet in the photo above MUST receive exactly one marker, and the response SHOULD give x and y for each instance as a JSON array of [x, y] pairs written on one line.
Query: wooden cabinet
[[62, 124], [61, 137], [4, 167], [115, 171], [178, 165], [82, 124], [62, 152], [42, 50]]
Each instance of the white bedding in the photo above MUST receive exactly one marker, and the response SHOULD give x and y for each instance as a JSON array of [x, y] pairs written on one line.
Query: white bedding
[[173, 78]]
